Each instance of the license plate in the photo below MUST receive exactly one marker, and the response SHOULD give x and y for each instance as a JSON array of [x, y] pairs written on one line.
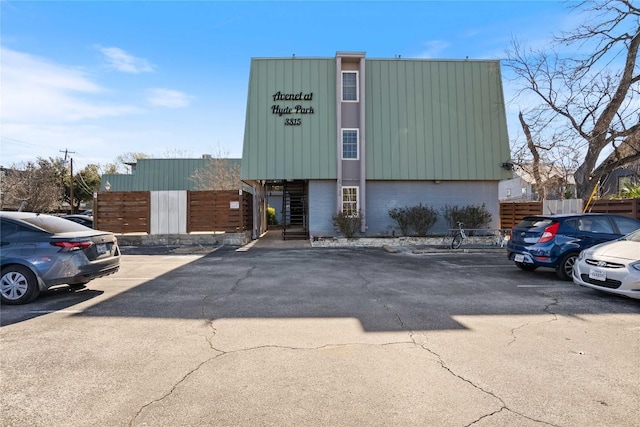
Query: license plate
[[598, 274], [102, 249], [519, 258]]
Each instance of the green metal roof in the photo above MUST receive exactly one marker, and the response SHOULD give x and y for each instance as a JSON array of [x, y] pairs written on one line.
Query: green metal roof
[[425, 120], [159, 175]]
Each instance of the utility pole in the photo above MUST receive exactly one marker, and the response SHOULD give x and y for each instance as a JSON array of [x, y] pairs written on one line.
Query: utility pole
[[66, 152]]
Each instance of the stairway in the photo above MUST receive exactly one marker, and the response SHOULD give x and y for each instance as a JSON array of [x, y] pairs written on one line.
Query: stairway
[[295, 212]]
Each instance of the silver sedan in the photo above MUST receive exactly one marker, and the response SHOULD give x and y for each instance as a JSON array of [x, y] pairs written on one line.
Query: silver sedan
[[38, 251], [611, 267]]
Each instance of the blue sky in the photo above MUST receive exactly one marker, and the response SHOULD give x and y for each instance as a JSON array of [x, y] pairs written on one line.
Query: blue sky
[[170, 78]]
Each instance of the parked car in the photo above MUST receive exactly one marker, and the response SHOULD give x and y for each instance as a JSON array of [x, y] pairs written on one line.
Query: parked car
[[38, 251], [554, 241], [85, 220], [88, 212], [611, 267]]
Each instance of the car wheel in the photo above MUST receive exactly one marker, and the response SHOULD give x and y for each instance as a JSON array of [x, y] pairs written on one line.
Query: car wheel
[[18, 285], [526, 267], [565, 268]]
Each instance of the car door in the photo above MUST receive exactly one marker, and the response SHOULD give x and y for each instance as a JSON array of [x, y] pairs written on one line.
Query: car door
[[9, 233], [595, 229], [625, 225]]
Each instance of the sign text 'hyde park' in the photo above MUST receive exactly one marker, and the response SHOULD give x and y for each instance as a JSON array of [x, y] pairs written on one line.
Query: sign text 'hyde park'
[[283, 110]]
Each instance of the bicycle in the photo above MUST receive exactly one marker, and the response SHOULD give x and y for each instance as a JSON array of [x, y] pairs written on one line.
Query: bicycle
[[501, 238], [459, 237]]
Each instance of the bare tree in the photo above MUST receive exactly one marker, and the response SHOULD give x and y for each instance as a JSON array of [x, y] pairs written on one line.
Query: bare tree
[[36, 187], [219, 174], [589, 104], [122, 162], [176, 153]]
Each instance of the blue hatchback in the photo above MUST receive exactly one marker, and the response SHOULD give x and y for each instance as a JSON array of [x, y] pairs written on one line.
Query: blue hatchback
[[554, 241]]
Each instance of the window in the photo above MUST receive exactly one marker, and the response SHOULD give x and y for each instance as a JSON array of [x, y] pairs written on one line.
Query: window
[[350, 144], [350, 205], [350, 86], [625, 225]]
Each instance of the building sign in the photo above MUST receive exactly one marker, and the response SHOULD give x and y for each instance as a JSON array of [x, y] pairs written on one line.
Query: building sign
[[295, 104], [234, 205]]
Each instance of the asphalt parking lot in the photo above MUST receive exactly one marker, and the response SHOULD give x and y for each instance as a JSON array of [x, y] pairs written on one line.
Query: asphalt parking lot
[[321, 337]]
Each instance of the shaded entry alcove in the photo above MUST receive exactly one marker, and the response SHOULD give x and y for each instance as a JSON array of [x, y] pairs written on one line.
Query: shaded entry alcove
[[295, 210]]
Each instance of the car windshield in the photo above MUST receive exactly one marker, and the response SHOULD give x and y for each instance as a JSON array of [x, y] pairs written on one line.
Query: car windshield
[[53, 224], [534, 222], [633, 237]]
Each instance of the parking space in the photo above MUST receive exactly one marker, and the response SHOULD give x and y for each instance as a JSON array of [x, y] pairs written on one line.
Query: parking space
[[309, 336]]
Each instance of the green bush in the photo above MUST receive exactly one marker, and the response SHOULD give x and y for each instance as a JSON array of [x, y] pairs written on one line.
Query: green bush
[[417, 218], [348, 225], [271, 216], [472, 216], [401, 217], [422, 218]]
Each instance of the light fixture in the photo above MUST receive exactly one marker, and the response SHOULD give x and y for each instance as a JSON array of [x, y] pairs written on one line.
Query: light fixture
[[507, 165], [107, 186]]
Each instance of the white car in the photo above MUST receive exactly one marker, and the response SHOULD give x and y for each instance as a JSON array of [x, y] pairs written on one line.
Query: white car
[[611, 267]]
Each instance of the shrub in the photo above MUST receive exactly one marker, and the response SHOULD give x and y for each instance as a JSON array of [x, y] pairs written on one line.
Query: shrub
[[419, 218], [472, 216], [631, 190], [401, 217], [271, 216], [348, 225], [422, 218]]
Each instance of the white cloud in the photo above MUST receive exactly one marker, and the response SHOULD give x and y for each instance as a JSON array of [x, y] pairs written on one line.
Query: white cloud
[[433, 49], [160, 97], [121, 61], [36, 90]]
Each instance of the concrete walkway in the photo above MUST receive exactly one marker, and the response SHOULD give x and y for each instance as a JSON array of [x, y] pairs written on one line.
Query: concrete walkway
[[273, 239]]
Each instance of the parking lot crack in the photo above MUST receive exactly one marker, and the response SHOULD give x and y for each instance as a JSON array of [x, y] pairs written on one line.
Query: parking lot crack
[[173, 388], [503, 405], [222, 353], [513, 333]]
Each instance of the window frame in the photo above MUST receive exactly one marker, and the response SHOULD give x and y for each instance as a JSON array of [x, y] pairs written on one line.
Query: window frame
[[357, 143], [357, 201], [357, 85]]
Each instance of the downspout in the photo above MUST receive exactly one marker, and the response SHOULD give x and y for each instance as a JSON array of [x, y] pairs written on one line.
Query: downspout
[[363, 168], [338, 134]]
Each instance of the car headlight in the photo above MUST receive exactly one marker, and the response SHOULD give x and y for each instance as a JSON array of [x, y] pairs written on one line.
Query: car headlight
[[635, 265], [582, 255]]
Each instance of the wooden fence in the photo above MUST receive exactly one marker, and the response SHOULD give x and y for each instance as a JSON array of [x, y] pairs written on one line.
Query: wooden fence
[[226, 211], [123, 212], [626, 207], [206, 211], [512, 212]]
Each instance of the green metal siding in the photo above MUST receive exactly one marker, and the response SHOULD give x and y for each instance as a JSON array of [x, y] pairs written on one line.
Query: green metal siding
[[435, 120], [272, 150], [159, 175]]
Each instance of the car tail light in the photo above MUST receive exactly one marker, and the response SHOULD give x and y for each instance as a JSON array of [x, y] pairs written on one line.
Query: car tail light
[[549, 233], [70, 246]]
